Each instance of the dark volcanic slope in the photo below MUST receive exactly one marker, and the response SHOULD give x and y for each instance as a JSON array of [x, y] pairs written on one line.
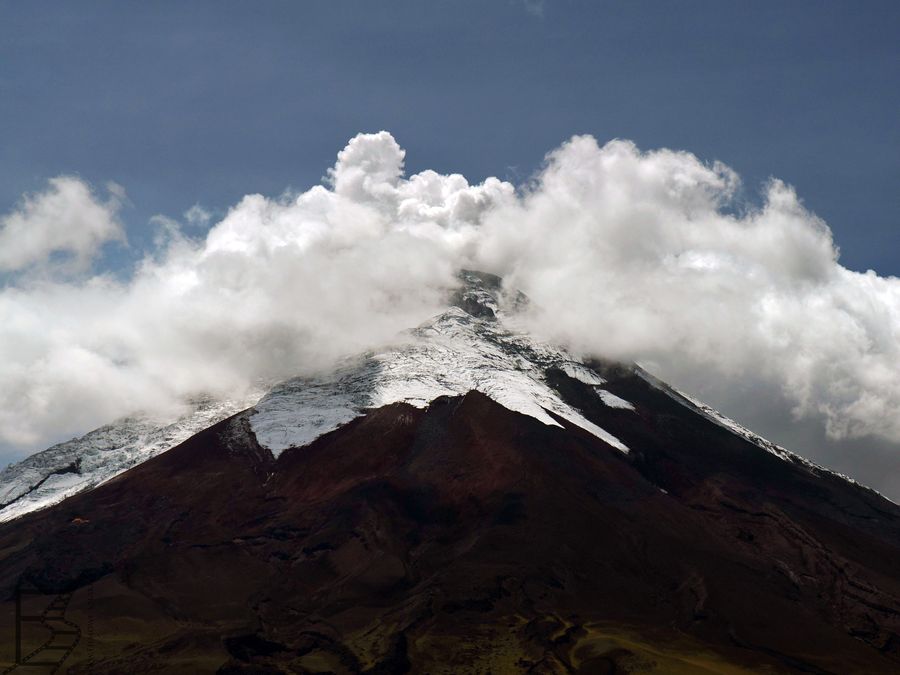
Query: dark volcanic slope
[[468, 538]]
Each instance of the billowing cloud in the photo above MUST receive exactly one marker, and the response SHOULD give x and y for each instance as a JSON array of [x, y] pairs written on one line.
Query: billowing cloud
[[197, 216], [279, 286], [67, 218], [534, 7], [625, 254], [641, 256]]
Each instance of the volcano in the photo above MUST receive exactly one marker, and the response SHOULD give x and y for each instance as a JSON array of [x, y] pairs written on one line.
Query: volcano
[[468, 500]]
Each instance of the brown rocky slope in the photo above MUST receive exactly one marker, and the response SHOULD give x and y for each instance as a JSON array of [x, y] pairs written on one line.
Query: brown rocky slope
[[466, 538]]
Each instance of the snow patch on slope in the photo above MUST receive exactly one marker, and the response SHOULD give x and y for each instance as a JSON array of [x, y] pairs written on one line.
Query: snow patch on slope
[[734, 427], [48, 477], [613, 401], [718, 418], [580, 372], [450, 355]]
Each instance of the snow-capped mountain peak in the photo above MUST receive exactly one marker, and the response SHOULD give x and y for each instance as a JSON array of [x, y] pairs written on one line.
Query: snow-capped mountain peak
[[471, 346], [466, 348]]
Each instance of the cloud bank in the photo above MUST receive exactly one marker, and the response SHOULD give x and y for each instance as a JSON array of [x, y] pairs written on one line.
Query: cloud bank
[[67, 218], [625, 254], [637, 255]]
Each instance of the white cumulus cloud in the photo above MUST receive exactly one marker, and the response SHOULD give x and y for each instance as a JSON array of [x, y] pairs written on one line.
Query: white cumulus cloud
[[624, 254], [277, 287], [66, 218], [637, 256]]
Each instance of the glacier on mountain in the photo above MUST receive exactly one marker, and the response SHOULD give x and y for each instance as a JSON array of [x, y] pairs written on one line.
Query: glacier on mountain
[[48, 477], [458, 351]]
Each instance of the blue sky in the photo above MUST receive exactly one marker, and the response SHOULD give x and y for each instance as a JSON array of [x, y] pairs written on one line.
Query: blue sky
[[203, 102]]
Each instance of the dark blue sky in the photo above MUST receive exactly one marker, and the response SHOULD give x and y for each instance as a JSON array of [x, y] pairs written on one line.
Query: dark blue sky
[[206, 101]]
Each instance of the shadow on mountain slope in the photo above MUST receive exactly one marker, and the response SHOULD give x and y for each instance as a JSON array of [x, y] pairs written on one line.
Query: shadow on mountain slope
[[467, 538]]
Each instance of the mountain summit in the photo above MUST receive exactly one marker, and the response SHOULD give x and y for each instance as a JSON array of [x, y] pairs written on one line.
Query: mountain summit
[[468, 500]]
